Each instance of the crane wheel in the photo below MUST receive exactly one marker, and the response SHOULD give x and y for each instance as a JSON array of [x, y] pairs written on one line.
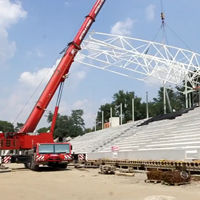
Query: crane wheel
[[58, 165], [27, 165], [62, 166], [33, 166]]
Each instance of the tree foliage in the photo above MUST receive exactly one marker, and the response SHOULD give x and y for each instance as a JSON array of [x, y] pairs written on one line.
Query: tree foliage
[[176, 101], [18, 126], [72, 125], [6, 127], [156, 106], [43, 130], [125, 99]]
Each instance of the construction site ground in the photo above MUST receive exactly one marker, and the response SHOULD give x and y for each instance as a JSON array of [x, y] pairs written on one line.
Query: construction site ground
[[87, 184]]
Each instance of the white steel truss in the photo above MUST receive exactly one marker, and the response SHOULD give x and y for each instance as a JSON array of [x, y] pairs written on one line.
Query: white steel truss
[[140, 59]]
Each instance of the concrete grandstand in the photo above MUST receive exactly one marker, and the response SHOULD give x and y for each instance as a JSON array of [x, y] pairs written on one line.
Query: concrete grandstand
[[167, 139]]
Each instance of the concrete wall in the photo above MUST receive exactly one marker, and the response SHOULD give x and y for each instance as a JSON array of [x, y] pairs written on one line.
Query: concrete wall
[[177, 154]]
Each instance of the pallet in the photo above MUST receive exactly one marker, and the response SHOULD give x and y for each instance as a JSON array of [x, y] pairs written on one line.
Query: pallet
[[174, 184], [109, 173], [152, 181], [124, 174], [91, 166], [5, 170]]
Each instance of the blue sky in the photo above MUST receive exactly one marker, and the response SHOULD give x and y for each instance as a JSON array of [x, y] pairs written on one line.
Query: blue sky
[[32, 33]]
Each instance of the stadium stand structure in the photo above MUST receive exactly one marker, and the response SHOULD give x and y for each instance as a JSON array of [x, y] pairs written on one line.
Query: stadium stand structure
[[167, 139]]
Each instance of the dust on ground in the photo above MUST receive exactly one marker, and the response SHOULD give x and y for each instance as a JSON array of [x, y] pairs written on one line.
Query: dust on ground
[[87, 184]]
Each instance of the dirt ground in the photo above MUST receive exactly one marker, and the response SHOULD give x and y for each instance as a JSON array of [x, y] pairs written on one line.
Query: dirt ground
[[87, 184]]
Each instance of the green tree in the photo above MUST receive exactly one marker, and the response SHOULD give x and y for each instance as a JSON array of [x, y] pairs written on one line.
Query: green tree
[[78, 125], [124, 98], [106, 111], [43, 130], [68, 125], [176, 102], [6, 126], [18, 126]]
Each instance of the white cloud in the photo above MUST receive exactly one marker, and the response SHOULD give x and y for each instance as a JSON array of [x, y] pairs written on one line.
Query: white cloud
[[10, 13], [27, 89], [123, 27], [7, 48], [34, 78], [150, 12], [43, 75]]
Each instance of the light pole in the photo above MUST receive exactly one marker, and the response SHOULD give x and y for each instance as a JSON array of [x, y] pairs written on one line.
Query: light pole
[[147, 106], [133, 109], [102, 115], [164, 99], [111, 112], [120, 113], [95, 127], [186, 93]]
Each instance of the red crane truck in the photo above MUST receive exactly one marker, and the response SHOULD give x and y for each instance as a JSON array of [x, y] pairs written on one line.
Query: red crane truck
[[39, 149]]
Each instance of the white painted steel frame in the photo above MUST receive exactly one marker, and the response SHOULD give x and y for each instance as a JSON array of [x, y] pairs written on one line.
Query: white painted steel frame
[[140, 59]]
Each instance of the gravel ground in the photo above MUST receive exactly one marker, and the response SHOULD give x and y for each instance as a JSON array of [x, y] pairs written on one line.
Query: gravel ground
[[87, 184]]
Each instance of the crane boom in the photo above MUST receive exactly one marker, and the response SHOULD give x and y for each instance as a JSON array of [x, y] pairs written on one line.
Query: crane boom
[[61, 70]]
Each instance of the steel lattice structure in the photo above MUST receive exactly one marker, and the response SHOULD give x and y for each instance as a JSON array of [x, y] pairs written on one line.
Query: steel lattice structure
[[140, 59]]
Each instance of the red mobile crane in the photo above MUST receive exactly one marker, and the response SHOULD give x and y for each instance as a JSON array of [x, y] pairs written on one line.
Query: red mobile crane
[[33, 150]]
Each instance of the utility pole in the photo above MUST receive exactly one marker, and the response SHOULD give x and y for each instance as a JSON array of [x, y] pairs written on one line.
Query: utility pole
[[133, 109], [111, 112], [147, 106]]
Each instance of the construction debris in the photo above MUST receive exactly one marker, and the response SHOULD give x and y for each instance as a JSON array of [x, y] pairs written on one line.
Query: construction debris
[[107, 169], [118, 173], [169, 178], [176, 178], [4, 169], [155, 175]]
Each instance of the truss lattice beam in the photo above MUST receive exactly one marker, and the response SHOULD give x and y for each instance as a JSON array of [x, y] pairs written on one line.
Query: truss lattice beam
[[140, 59]]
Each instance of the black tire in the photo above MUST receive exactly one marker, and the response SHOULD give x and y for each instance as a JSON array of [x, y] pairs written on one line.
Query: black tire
[[32, 165], [27, 165], [62, 166], [58, 165]]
